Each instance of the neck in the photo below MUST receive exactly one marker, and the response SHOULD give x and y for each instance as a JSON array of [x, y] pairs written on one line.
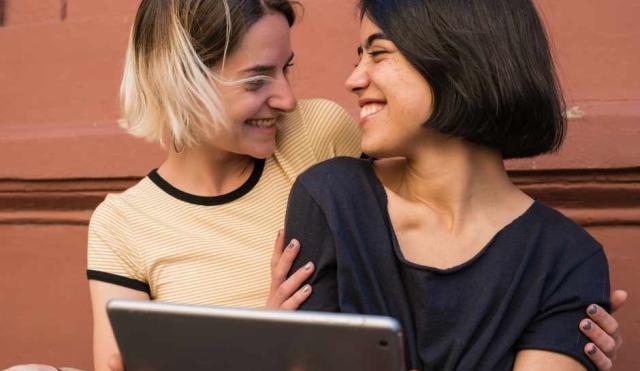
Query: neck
[[206, 171], [454, 178]]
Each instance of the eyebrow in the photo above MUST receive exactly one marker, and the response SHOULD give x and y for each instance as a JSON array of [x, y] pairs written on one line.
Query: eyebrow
[[371, 39], [262, 69]]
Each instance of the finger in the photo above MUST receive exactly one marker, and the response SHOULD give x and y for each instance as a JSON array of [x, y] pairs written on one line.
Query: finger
[[293, 283], [605, 321], [297, 299], [602, 362], [605, 343], [277, 249], [115, 363], [618, 298], [283, 266]]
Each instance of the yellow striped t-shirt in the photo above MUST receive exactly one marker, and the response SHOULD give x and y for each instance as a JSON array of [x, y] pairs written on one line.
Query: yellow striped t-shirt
[[213, 250]]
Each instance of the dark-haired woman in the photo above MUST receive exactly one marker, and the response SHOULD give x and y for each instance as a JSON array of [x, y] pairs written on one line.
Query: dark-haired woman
[[433, 232]]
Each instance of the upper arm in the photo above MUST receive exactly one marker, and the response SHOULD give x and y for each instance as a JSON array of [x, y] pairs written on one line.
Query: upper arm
[[111, 256], [306, 222], [114, 273], [535, 360], [555, 328], [104, 343], [332, 131]]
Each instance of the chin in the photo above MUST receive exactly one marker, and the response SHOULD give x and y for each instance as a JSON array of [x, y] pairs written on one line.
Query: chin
[[263, 152], [381, 146], [371, 149]]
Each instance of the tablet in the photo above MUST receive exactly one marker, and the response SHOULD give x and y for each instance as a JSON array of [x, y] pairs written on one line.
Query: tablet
[[169, 337]]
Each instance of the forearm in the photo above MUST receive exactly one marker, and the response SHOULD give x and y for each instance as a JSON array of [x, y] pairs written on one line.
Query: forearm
[[535, 360], [104, 343]]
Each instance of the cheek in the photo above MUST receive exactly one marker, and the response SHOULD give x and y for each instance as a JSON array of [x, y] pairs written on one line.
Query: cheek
[[406, 89], [415, 99], [244, 107], [240, 104]]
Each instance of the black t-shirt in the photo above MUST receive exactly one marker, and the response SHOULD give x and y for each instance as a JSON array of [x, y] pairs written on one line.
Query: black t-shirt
[[527, 289]]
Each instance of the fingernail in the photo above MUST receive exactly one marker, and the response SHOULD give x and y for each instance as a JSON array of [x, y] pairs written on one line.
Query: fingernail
[[278, 235], [308, 266], [291, 244], [593, 309], [306, 289], [587, 326], [593, 350]]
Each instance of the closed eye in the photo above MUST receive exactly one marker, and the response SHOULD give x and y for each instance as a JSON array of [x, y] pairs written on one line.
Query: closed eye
[[377, 53], [257, 84]]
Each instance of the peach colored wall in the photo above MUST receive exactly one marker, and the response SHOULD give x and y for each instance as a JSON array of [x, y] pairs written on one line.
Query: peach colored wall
[[61, 150]]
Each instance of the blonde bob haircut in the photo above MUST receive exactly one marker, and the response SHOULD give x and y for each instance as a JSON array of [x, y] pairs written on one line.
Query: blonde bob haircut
[[168, 89]]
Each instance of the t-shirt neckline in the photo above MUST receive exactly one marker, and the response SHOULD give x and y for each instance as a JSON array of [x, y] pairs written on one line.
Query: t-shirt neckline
[[384, 201], [245, 188]]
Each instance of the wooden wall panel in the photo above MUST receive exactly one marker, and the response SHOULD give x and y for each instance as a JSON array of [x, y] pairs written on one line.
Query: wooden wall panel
[[45, 315], [591, 197]]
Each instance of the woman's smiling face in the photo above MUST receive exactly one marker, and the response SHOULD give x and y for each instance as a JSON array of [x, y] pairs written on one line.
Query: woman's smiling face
[[395, 99], [253, 108]]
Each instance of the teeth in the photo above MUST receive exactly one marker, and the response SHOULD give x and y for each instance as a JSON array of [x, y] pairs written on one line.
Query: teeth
[[370, 109], [262, 123]]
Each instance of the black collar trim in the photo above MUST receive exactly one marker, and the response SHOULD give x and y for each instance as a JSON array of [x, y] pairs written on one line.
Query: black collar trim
[[210, 200]]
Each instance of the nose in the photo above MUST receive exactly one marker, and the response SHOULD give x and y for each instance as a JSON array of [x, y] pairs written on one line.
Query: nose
[[282, 98], [358, 80]]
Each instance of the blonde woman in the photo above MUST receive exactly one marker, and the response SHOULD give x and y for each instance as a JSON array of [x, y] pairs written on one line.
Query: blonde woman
[[208, 80]]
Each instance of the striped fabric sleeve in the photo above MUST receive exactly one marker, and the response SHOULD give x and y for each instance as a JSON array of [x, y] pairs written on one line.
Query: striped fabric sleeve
[[109, 258], [331, 129]]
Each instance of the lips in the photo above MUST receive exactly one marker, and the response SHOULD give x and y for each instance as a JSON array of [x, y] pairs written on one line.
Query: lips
[[262, 123]]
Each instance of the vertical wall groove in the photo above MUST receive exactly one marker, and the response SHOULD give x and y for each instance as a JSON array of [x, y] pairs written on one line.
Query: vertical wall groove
[[63, 10], [2, 6]]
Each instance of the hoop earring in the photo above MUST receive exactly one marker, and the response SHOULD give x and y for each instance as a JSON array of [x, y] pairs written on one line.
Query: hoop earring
[[175, 147]]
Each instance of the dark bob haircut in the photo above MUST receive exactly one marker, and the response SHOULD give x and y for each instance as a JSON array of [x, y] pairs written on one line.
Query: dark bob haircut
[[489, 66]]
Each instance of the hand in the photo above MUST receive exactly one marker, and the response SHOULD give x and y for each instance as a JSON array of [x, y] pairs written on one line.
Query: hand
[[604, 332], [286, 293], [115, 363]]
